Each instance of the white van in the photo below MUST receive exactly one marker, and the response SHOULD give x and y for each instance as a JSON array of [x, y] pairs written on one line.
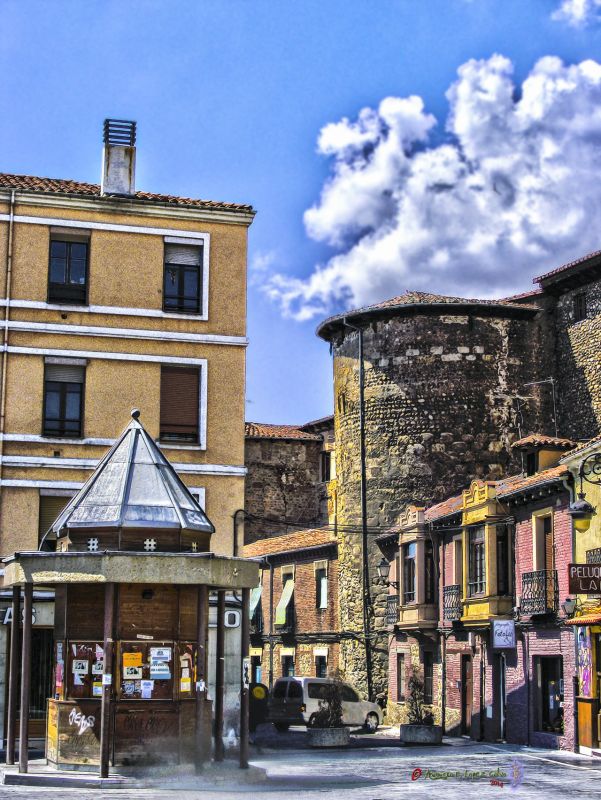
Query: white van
[[295, 701]]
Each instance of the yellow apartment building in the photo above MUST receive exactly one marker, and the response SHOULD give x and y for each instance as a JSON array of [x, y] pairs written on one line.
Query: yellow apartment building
[[113, 298]]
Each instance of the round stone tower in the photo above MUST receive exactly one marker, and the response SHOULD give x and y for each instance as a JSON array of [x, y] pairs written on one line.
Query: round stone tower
[[445, 395]]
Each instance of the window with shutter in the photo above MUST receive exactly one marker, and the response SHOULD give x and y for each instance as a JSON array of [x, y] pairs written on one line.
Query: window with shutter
[[63, 400], [180, 397], [182, 290], [50, 508]]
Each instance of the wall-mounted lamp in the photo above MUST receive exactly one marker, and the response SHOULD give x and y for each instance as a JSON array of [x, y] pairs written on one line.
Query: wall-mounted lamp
[[581, 510], [384, 572], [570, 605]]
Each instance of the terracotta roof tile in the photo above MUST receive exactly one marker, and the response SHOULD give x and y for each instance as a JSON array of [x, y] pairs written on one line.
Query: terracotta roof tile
[[517, 483], [566, 267], [32, 183], [263, 430], [449, 506], [540, 440], [582, 446], [298, 540]]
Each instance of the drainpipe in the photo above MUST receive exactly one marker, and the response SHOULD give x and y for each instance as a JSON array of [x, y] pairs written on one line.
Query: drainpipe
[[569, 485], [7, 293], [363, 490], [439, 580], [270, 624]]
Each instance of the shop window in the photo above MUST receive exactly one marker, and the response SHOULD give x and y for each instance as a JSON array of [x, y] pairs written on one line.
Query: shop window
[[321, 667], [321, 584], [579, 306], [183, 278], [180, 392], [400, 677], [549, 673], [63, 400], [477, 564], [288, 670], [409, 573], [430, 583], [68, 270], [428, 676]]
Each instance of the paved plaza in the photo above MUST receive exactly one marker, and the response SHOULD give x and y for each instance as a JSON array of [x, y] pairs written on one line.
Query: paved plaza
[[458, 769]]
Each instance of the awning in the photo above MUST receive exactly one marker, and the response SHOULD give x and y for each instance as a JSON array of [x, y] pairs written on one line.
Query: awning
[[585, 619], [280, 612], [255, 596]]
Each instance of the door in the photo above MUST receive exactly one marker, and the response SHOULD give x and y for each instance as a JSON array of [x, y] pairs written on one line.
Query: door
[[42, 652], [467, 683]]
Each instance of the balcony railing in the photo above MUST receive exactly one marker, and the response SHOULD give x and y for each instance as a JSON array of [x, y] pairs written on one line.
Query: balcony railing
[[392, 609], [451, 602], [540, 592]]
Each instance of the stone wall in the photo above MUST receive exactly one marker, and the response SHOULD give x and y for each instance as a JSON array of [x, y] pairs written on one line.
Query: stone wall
[[578, 372], [440, 411], [283, 483]]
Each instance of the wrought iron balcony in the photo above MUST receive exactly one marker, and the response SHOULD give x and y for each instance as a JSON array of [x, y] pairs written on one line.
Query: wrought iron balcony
[[451, 602], [392, 609], [540, 592]]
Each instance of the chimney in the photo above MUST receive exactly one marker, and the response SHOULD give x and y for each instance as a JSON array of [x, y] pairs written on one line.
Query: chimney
[[119, 157]]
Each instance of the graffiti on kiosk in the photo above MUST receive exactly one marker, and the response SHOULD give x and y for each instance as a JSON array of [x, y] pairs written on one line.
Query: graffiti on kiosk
[[81, 721]]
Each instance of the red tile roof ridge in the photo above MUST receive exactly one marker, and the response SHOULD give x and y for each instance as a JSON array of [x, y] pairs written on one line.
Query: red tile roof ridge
[[296, 540], [34, 183], [582, 446], [567, 266], [267, 430], [517, 483], [445, 508], [542, 440]]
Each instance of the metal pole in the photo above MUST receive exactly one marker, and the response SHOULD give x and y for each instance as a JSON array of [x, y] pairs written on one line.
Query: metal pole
[[13, 676], [203, 750], [244, 683], [270, 626], [107, 687], [25, 678], [220, 675]]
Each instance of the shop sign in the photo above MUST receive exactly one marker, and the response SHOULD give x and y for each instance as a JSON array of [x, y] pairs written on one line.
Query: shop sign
[[8, 615], [503, 634], [584, 578]]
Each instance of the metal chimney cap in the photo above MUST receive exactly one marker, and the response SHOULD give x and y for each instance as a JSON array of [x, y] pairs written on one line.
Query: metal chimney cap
[[120, 131]]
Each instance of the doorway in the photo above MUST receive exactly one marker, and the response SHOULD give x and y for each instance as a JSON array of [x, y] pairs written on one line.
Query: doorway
[[467, 688], [501, 695], [42, 652]]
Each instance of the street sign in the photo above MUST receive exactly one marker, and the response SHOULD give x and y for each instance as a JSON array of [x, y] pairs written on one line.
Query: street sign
[[503, 634], [584, 578]]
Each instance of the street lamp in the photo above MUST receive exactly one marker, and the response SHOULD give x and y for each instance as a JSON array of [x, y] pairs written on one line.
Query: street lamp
[[384, 572], [581, 510]]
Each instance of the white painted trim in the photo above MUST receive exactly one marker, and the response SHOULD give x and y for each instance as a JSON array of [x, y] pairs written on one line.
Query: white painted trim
[[92, 309], [25, 484], [37, 439], [108, 356], [107, 226], [181, 240], [121, 205], [125, 333], [57, 493], [49, 462]]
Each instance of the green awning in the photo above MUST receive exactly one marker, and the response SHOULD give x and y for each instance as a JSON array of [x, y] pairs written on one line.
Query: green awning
[[255, 596], [280, 612]]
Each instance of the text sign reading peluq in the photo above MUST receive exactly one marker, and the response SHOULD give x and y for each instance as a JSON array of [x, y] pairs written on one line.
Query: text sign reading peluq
[[503, 634], [584, 578]]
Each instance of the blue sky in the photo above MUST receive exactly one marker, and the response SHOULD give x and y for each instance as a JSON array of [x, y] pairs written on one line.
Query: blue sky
[[230, 98]]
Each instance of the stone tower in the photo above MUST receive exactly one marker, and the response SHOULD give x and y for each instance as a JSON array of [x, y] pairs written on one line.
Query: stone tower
[[444, 398]]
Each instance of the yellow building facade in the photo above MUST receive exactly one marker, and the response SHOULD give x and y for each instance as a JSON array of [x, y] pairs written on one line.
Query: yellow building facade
[[112, 300]]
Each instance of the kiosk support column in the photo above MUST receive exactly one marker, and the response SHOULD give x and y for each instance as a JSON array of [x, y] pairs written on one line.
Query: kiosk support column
[[203, 744], [25, 678], [107, 679], [220, 675], [11, 721]]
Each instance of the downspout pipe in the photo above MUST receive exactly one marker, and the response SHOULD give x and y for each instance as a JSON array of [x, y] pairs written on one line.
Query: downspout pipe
[[363, 492], [7, 295]]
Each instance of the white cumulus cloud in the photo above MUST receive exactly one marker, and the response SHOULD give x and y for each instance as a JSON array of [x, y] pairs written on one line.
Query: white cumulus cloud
[[510, 185], [578, 13]]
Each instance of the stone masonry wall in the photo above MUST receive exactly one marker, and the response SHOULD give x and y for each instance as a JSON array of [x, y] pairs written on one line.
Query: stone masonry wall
[[440, 411], [283, 483], [578, 354]]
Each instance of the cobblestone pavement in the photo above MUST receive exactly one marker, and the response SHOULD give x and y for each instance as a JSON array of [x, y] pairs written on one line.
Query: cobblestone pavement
[[382, 774]]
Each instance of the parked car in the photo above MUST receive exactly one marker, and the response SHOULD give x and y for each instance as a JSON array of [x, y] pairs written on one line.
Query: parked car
[[295, 701]]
